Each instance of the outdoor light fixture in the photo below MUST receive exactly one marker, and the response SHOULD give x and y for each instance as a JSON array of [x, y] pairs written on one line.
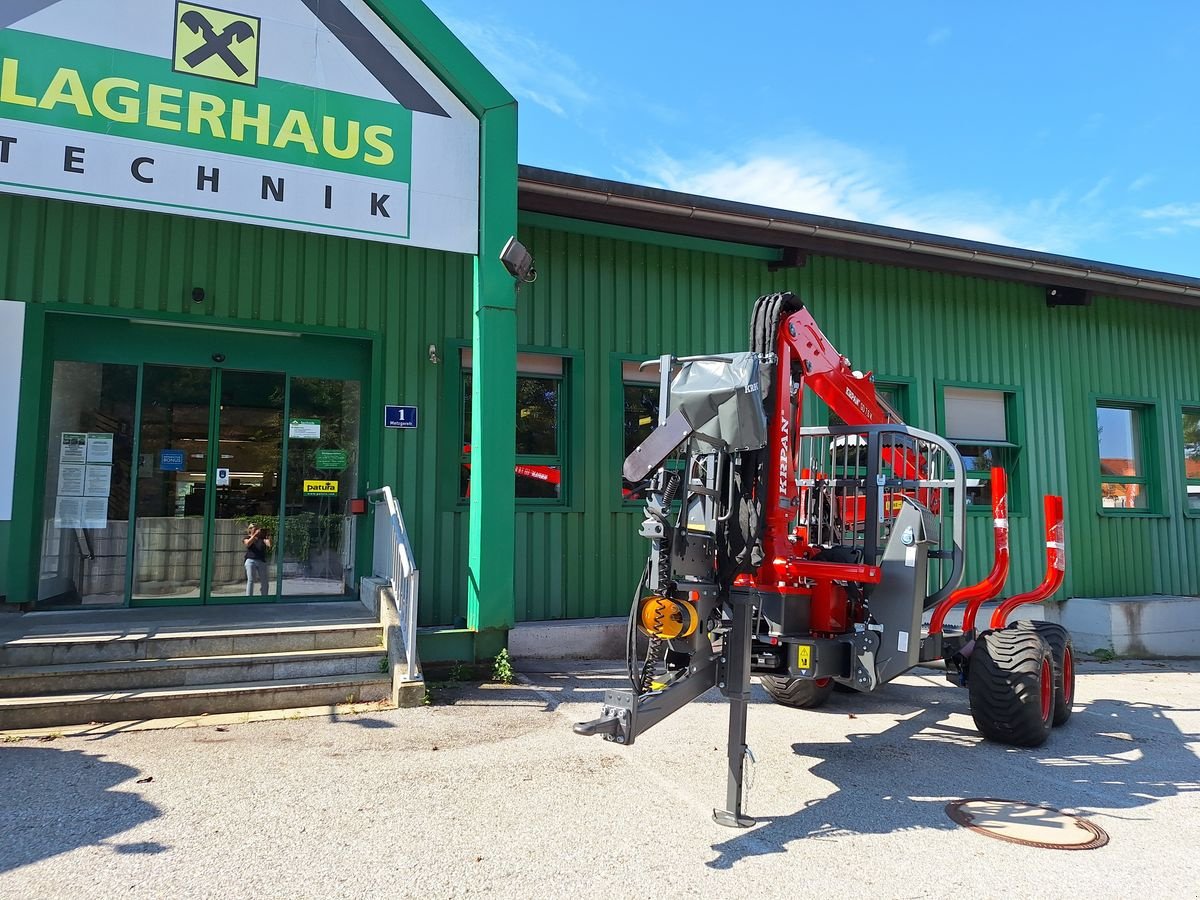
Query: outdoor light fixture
[[1056, 295], [433, 354], [518, 261], [197, 295]]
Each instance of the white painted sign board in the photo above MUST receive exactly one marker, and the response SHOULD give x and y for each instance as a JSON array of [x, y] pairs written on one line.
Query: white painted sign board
[[309, 115]]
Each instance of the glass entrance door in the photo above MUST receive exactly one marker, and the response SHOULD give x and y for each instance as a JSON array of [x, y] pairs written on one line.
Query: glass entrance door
[[172, 483], [247, 484], [210, 478], [170, 480]]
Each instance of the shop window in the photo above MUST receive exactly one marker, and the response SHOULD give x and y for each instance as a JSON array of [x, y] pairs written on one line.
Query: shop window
[[540, 430], [983, 424], [640, 390], [89, 465], [1191, 458], [1123, 433]]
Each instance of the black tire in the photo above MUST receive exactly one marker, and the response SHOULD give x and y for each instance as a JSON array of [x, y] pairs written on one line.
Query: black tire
[[1011, 686], [1063, 652], [801, 693]]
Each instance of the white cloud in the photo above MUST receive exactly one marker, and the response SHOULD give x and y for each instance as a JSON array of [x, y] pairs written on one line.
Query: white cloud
[[1097, 189], [828, 178], [1174, 214], [531, 70], [1141, 181], [940, 36]]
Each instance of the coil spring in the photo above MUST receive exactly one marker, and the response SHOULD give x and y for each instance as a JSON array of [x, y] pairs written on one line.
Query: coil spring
[[664, 552], [654, 649], [654, 652]]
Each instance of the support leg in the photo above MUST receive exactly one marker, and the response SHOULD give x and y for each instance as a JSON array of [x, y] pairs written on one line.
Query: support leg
[[735, 675]]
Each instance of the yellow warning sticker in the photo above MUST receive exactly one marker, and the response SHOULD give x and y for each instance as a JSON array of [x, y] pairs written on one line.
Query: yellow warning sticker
[[216, 44], [320, 487], [804, 657]]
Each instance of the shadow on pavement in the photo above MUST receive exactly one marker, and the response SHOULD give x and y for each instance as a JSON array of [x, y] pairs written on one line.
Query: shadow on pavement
[[1111, 755], [55, 801]]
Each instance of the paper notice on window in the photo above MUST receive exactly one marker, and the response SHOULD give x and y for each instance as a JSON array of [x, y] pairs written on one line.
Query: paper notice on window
[[70, 479], [73, 447], [99, 448], [97, 481], [68, 512], [305, 429], [95, 512]]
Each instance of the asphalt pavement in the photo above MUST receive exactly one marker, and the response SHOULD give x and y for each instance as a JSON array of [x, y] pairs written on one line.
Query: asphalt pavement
[[488, 793]]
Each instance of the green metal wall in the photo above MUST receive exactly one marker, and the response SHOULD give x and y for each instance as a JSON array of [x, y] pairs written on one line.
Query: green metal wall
[[121, 261], [597, 296]]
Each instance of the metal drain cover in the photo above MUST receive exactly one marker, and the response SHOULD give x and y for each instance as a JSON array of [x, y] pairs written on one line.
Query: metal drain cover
[[1027, 823]]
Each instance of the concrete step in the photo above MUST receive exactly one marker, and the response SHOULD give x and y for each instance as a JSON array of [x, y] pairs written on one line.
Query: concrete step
[[31, 681], [140, 643], [212, 699]]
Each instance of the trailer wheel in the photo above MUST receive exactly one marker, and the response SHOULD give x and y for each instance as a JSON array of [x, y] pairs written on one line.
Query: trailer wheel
[[1011, 687], [801, 693], [1063, 653]]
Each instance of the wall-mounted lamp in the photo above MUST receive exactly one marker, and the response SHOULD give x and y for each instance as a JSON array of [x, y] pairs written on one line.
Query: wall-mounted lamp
[[1057, 295], [433, 354], [519, 262], [197, 295]]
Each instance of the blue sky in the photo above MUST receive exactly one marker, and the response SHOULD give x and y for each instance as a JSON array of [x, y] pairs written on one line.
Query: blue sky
[[1065, 127]]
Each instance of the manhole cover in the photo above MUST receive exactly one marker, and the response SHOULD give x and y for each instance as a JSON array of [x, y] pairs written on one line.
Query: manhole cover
[[1027, 823]]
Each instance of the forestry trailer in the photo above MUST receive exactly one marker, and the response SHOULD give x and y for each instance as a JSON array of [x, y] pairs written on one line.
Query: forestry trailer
[[811, 556]]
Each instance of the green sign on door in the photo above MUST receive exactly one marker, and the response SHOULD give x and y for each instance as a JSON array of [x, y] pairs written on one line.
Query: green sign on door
[[331, 460]]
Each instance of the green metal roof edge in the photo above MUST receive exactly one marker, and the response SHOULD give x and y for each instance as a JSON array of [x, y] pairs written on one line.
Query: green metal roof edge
[[446, 56]]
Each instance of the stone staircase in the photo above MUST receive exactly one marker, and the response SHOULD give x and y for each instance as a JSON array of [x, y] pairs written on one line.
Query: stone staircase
[[63, 669]]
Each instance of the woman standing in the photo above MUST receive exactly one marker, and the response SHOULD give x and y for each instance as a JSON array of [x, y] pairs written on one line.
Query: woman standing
[[258, 545]]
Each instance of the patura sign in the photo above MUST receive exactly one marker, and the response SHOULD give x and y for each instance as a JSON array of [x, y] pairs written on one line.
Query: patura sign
[[303, 114]]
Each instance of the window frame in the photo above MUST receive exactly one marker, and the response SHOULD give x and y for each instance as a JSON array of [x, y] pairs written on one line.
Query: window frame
[[571, 442], [1184, 409], [1149, 447], [1013, 447]]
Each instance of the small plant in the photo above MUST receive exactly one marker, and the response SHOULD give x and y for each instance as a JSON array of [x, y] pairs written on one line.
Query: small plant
[[383, 665], [427, 700], [459, 672], [1103, 654], [12, 739], [502, 669]]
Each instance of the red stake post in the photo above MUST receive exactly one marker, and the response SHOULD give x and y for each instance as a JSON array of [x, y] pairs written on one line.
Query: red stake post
[[993, 584], [1056, 564]]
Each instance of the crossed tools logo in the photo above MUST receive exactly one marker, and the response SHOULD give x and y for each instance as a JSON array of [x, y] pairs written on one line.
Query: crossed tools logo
[[216, 43]]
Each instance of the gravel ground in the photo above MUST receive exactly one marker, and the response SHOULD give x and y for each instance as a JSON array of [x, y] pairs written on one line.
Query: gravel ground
[[489, 793]]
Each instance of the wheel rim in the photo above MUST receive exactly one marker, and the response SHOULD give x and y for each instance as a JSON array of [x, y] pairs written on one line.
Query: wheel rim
[[1068, 674], [1047, 691]]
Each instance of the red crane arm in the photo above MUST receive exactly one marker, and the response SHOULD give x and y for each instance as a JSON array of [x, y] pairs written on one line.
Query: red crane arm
[[849, 394]]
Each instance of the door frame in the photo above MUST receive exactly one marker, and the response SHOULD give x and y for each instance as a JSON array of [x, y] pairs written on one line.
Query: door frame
[[143, 340]]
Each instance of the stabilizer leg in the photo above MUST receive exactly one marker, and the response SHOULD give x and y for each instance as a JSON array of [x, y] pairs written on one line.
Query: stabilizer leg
[[735, 685]]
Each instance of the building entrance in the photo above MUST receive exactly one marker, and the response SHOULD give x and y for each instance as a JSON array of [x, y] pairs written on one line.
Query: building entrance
[[173, 483]]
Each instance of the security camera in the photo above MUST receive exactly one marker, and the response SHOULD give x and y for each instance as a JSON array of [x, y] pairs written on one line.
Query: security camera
[[433, 354], [218, 357]]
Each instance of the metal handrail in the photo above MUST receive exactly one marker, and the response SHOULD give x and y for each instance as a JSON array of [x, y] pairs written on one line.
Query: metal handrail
[[397, 564]]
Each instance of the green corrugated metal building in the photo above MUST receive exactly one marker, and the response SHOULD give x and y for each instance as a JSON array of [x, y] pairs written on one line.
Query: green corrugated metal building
[[195, 354]]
